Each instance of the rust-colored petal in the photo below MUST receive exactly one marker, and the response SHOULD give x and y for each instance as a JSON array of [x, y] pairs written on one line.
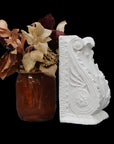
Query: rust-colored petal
[[14, 34], [53, 44], [13, 43], [8, 65], [3, 60], [48, 21], [4, 33], [13, 69]]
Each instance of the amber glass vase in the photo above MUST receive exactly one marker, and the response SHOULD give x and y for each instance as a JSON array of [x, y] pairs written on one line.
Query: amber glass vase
[[35, 97]]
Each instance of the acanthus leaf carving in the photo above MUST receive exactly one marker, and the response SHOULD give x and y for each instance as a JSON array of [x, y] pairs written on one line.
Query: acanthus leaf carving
[[87, 91]]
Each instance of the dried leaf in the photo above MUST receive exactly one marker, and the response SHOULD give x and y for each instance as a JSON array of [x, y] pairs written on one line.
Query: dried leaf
[[28, 37], [14, 52], [22, 41], [49, 71], [4, 74], [3, 61], [4, 33], [36, 55], [9, 65], [36, 50], [3, 24], [48, 63], [6, 66], [19, 44], [13, 43], [61, 26], [28, 62], [14, 39], [50, 59], [14, 34], [13, 69]]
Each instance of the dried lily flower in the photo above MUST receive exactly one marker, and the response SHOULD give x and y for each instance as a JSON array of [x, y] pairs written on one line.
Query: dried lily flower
[[49, 22], [37, 34], [29, 51], [37, 37]]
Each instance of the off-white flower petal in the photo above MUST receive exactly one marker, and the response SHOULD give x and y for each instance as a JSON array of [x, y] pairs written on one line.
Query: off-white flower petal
[[49, 71], [28, 37], [39, 29], [42, 47], [31, 29], [36, 56], [61, 26], [28, 62], [46, 33]]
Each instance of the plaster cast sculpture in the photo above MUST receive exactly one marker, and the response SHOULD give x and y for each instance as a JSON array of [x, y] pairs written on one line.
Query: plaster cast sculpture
[[83, 89]]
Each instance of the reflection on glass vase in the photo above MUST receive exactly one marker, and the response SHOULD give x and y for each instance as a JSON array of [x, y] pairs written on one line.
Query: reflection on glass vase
[[35, 96]]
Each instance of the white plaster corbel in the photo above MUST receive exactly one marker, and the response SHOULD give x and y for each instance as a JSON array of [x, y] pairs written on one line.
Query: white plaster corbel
[[83, 89]]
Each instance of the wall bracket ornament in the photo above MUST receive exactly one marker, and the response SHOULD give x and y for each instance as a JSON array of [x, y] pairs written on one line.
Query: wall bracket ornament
[[83, 89]]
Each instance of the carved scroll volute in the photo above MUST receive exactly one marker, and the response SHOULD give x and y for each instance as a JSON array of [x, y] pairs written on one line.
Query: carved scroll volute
[[84, 97], [86, 90]]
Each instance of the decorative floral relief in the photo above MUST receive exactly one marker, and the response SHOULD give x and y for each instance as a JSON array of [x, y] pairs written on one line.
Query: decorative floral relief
[[87, 91]]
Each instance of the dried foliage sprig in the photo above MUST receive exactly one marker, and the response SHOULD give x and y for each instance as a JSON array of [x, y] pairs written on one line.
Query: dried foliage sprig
[[33, 51]]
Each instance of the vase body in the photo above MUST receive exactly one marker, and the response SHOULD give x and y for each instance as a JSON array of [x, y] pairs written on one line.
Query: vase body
[[35, 97]]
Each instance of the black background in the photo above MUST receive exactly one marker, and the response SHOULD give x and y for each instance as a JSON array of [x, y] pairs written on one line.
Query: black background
[[84, 19]]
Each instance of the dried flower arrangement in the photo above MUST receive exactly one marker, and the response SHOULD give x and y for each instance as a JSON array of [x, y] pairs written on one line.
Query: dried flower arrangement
[[33, 51]]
